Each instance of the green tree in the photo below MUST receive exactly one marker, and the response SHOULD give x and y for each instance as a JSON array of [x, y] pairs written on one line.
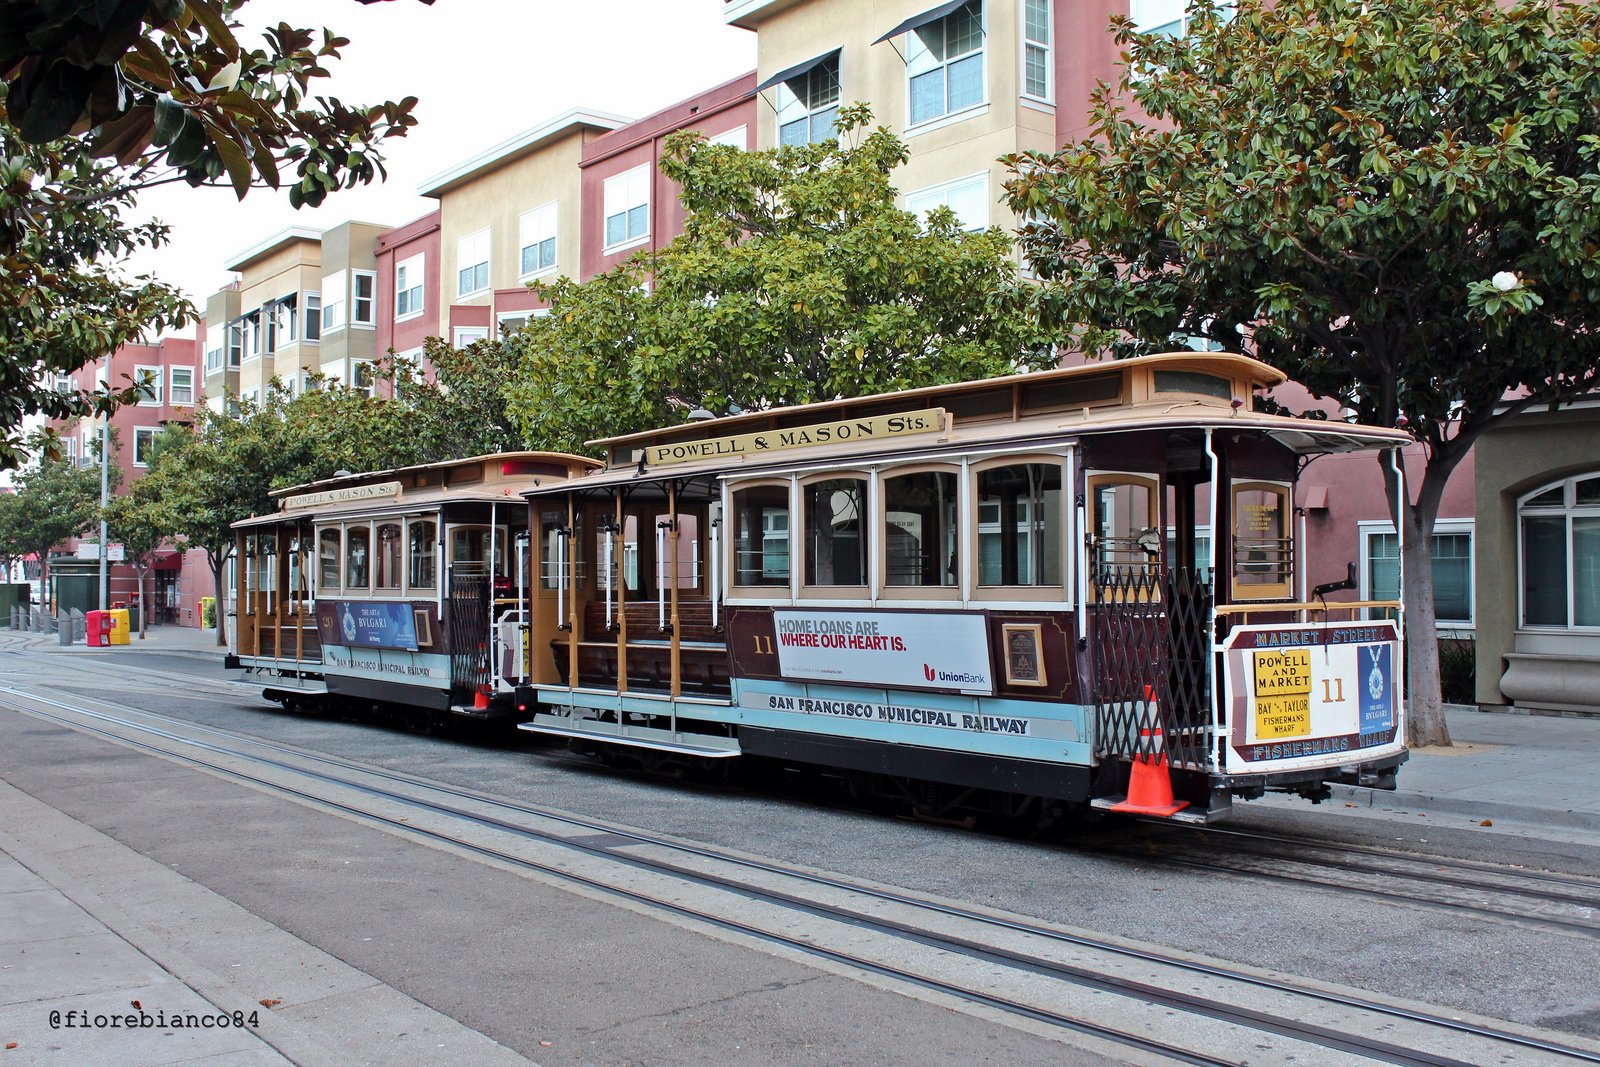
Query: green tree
[[460, 409], [142, 522], [1394, 202], [55, 500], [796, 279], [101, 100]]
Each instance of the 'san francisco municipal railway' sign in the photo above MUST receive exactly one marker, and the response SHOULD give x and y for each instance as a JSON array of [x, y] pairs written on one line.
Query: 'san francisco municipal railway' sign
[[894, 649], [1308, 694], [876, 428], [341, 496]]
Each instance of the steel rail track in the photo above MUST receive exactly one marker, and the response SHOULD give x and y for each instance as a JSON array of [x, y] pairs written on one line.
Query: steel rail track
[[1075, 975]]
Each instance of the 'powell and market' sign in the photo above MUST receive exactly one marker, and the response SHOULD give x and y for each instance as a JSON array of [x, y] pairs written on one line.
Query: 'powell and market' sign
[[877, 428]]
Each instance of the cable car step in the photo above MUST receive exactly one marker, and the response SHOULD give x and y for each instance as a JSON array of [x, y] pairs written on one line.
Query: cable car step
[[1191, 814], [704, 746]]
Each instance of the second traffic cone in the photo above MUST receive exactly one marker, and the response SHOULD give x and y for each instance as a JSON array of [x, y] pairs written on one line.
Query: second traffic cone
[[480, 699], [1150, 782]]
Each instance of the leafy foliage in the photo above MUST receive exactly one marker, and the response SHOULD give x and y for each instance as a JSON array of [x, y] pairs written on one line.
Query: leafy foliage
[[54, 500], [1394, 202], [168, 82], [101, 100], [796, 279]]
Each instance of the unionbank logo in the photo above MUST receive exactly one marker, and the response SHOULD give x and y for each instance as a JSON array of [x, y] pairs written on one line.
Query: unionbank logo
[[933, 674]]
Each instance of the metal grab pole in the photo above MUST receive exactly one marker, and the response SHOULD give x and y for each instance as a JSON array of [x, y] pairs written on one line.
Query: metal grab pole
[[611, 562], [561, 578], [661, 575], [716, 569]]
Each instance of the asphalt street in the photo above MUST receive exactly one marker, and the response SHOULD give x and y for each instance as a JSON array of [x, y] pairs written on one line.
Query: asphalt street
[[456, 935]]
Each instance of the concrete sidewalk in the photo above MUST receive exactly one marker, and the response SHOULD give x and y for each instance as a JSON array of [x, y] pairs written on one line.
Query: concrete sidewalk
[[165, 638], [1538, 769]]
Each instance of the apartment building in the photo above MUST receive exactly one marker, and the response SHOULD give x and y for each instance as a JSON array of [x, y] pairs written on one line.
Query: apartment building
[[171, 372]]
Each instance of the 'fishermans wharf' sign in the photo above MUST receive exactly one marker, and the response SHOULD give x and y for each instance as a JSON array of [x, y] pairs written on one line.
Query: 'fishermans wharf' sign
[[877, 428], [342, 496]]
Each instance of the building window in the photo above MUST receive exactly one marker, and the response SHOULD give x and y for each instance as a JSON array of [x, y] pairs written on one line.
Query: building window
[[944, 64], [363, 297], [148, 379], [278, 319], [628, 207], [408, 276], [214, 357], [333, 297], [513, 321], [62, 383], [809, 104], [362, 377], [472, 263], [1452, 568], [238, 341], [968, 198], [466, 335], [1559, 553], [738, 137], [1166, 18], [313, 317], [1037, 73], [144, 443], [538, 230], [182, 385]]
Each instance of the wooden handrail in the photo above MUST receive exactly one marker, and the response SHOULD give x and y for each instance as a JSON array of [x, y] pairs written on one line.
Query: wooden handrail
[[1338, 605]]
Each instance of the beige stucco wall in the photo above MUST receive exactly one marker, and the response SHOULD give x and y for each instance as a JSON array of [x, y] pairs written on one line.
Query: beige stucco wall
[[1534, 449], [221, 309], [346, 247], [943, 150], [497, 200], [294, 267]]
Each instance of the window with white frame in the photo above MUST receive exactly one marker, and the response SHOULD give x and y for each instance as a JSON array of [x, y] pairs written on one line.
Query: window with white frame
[[466, 335], [62, 383], [472, 263], [278, 324], [1558, 542], [738, 137], [408, 277], [333, 373], [1451, 552], [144, 443], [216, 349], [148, 379], [362, 376], [538, 239], [181, 385], [967, 198], [1166, 18], [363, 297], [511, 322], [313, 313], [333, 301], [808, 104], [944, 64], [74, 449], [241, 345], [627, 207], [1038, 74]]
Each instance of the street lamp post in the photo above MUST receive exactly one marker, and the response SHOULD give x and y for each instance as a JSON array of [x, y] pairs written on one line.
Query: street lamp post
[[105, 500]]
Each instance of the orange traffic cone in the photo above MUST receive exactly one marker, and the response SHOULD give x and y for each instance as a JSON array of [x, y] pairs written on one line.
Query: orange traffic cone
[[1150, 783], [480, 701]]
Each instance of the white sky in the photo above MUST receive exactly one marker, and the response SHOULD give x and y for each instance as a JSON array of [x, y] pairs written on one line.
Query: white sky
[[482, 70]]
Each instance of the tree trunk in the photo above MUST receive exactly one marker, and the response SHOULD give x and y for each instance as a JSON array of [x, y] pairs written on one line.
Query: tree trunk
[[216, 562], [144, 605], [1425, 723]]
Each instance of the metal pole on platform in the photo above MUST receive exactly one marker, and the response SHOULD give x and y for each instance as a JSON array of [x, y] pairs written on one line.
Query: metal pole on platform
[[105, 500]]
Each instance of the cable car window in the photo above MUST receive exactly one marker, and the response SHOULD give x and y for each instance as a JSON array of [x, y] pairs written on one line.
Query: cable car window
[[296, 575], [424, 547], [389, 556], [836, 532], [1263, 548], [761, 535], [328, 560], [1125, 529], [920, 529], [357, 558], [688, 553], [267, 563], [1188, 381], [1021, 515]]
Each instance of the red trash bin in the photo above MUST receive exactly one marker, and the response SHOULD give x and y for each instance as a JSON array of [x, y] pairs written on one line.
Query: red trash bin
[[97, 628]]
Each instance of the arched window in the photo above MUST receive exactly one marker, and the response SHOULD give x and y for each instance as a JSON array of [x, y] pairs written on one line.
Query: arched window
[[1559, 554]]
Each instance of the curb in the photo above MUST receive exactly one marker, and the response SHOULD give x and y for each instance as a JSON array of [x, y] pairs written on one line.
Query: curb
[[1422, 802]]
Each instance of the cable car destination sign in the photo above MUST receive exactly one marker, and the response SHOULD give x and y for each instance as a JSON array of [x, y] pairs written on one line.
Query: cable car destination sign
[[876, 428]]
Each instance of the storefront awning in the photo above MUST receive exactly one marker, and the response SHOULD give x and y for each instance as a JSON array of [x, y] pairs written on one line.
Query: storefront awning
[[918, 21], [795, 71]]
